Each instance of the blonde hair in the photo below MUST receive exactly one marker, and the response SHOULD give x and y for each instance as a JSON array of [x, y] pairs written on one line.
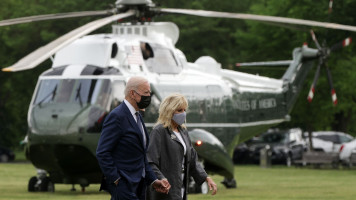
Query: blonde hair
[[167, 108]]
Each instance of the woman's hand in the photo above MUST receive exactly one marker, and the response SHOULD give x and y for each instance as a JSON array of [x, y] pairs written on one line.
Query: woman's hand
[[161, 186], [212, 186]]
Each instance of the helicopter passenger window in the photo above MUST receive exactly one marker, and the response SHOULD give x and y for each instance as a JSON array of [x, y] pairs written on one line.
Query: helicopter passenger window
[[159, 59], [146, 50]]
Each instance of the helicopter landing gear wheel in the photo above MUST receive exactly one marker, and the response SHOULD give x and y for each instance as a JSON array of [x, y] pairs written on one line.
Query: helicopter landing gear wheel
[[46, 185], [229, 182], [32, 184], [194, 188]]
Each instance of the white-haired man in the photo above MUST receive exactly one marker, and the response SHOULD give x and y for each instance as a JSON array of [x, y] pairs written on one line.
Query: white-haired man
[[121, 150]]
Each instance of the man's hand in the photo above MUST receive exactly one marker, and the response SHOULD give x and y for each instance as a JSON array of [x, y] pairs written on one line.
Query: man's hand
[[212, 185], [162, 186]]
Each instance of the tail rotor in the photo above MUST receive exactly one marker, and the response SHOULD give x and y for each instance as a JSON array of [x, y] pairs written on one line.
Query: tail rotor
[[324, 53]]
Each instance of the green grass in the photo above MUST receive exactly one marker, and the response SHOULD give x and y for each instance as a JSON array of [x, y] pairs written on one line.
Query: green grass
[[254, 183]]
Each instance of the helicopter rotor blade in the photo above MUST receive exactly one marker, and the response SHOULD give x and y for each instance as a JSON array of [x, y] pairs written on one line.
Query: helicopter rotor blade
[[262, 18], [330, 6], [41, 54], [332, 90], [315, 39], [54, 16], [312, 88], [330, 10], [346, 42]]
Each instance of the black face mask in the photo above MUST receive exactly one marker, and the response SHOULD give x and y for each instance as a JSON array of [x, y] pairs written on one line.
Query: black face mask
[[145, 101]]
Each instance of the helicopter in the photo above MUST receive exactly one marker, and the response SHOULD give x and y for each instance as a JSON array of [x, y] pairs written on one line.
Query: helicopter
[[88, 76]]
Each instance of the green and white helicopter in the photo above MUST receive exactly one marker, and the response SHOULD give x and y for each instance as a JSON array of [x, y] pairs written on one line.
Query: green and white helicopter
[[89, 73]]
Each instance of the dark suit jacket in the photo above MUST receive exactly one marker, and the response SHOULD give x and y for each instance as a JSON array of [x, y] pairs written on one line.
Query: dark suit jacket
[[120, 151], [165, 154]]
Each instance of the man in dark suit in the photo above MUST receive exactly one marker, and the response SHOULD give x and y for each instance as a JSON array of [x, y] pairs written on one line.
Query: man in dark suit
[[121, 150]]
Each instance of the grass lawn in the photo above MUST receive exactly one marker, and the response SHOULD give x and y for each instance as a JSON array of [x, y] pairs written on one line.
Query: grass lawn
[[254, 183]]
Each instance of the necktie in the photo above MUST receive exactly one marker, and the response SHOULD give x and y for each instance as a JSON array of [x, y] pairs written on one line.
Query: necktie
[[139, 123]]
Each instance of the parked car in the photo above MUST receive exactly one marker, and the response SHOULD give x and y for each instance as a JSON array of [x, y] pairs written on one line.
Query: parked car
[[242, 152], [322, 145], [346, 150], [329, 141], [6, 155], [286, 147]]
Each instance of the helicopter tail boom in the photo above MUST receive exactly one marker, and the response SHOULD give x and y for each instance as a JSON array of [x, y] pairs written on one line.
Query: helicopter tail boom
[[293, 78]]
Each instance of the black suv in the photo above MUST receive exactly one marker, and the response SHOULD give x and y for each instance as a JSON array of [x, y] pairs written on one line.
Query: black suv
[[286, 146]]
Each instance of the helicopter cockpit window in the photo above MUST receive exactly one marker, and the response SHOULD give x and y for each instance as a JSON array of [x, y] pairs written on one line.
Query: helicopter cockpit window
[[159, 59], [85, 100], [79, 91], [100, 97], [101, 93], [65, 91], [46, 91]]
